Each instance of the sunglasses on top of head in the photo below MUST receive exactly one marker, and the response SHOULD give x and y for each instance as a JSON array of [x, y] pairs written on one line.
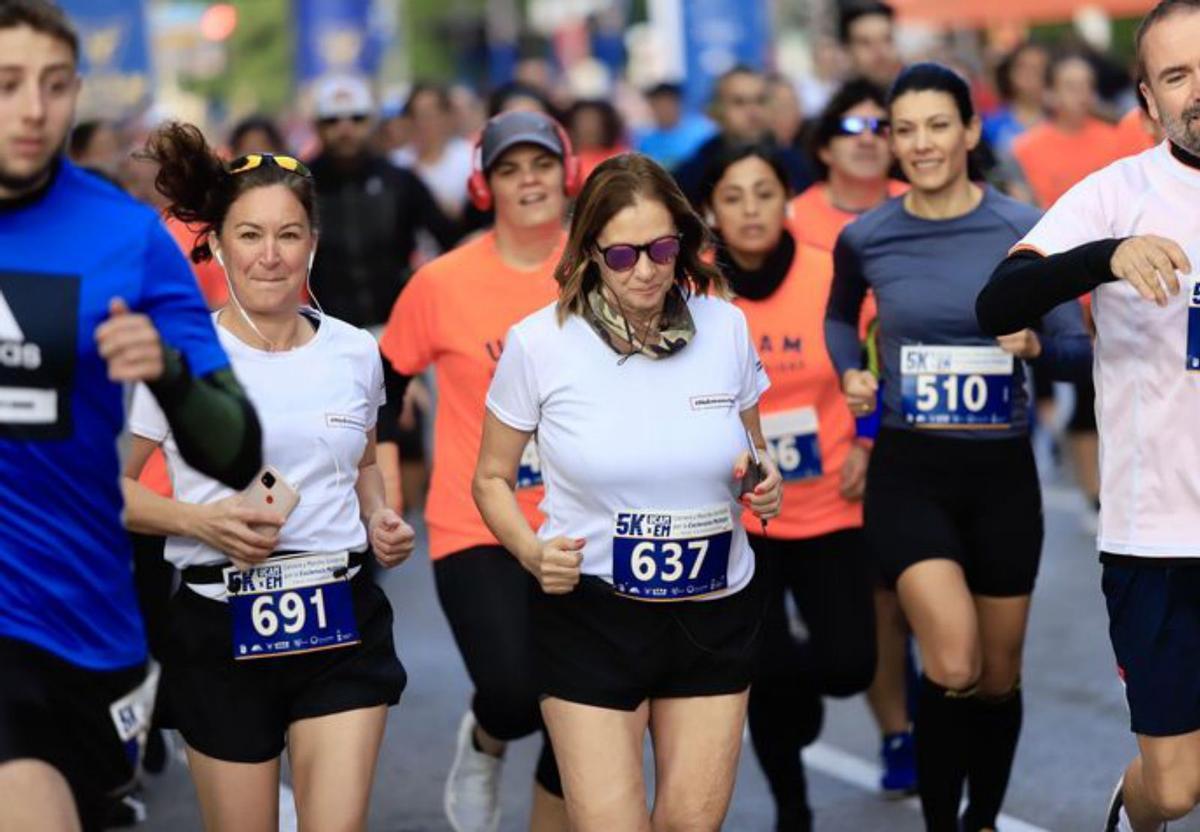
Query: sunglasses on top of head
[[857, 125], [256, 160], [622, 257], [329, 121]]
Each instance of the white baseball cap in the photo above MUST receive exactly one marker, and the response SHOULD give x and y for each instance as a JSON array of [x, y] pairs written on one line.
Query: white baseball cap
[[343, 95]]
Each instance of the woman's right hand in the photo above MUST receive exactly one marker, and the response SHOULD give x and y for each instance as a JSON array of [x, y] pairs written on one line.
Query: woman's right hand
[[860, 388], [248, 536], [556, 564]]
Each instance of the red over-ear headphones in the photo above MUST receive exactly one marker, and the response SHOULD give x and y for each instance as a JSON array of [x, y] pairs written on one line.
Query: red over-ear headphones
[[481, 194]]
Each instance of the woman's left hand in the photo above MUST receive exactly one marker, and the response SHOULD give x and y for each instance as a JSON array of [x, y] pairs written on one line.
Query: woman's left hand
[[392, 539], [767, 497]]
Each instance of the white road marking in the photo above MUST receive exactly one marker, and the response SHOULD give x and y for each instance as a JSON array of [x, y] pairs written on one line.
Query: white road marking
[[840, 765]]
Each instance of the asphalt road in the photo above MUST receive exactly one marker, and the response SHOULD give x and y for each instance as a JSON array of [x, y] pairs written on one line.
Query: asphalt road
[[1074, 744]]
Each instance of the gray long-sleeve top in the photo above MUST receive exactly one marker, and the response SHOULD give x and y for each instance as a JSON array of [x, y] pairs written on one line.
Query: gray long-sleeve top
[[925, 275]]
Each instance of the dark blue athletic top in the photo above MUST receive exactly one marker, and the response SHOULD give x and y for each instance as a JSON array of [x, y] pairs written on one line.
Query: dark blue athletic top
[[926, 275]]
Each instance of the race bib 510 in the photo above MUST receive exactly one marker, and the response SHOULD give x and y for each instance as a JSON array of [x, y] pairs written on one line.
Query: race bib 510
[[956, 387]]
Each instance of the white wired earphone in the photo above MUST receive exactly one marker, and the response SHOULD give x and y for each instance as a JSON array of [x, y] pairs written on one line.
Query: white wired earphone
[[312, 257]]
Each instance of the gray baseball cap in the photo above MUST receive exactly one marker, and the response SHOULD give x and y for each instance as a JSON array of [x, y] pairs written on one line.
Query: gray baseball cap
[[510, 129]]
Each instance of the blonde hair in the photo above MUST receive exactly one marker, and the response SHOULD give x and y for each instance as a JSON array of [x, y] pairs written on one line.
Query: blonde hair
[[616, 184]]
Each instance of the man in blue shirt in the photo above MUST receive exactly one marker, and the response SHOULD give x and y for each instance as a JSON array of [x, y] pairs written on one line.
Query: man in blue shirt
[[676, 135], [93, 293]]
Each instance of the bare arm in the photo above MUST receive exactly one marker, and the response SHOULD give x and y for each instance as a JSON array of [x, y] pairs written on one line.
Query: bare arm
[[391, 538], [224, 525], [555, 563], [145, 511]]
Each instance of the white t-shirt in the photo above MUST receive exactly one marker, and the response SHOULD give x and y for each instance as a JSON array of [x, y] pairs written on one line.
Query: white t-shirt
[[446, 178], [317, 405], [639, 452], [1147, 397]]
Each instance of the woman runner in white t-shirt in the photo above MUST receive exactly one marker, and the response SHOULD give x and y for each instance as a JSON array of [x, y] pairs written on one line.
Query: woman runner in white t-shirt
[[277, 636], [641, 386]]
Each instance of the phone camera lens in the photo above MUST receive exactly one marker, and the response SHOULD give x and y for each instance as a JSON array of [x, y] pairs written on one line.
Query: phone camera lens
[[268, 479]]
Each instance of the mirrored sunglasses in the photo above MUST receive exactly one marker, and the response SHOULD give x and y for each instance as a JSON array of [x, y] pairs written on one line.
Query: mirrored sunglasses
[[857, 125]]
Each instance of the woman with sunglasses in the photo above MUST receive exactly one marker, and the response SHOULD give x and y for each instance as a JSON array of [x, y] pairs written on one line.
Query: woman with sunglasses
[[276, 638], [453, 316], [641, 386], [850, 150], [953, 508], [815, 550]]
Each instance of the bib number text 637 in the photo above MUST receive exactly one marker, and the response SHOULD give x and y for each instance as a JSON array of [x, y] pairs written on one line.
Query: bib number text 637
[[651, 560]]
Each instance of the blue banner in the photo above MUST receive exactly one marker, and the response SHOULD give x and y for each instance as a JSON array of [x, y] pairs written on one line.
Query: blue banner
[[335, 37], [114, 55], [717, 34]]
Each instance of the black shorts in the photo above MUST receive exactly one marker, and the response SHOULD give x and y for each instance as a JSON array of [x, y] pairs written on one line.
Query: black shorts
[[977, 502], [57, 712], [595, 647], [1154, 625], [239, 711]]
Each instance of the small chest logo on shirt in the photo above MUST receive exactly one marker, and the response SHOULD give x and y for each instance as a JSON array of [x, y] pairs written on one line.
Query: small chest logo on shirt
[[344, 420], [14, 351], [713, 401]]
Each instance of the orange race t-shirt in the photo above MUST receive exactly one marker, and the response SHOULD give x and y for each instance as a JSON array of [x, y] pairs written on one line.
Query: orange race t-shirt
[[1054, 161], [1134, 133], [805, 398], [817, 221], [209, 275], [454, 315]]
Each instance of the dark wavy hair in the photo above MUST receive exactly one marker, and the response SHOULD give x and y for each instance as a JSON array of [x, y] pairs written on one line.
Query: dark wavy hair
[[854, 92], [614, 185], [200, 187], [729, 156]]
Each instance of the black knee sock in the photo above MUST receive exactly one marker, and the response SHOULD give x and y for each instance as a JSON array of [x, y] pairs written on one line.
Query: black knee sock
[[783, 719], [941, 739], [995, 726]]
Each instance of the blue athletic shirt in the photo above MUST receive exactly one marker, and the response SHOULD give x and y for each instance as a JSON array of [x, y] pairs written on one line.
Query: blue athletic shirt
[[925, 275], [66, 581]]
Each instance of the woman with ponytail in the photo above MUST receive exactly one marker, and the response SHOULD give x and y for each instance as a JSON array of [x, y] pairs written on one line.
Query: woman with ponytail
[[276, 637], [953, 509]]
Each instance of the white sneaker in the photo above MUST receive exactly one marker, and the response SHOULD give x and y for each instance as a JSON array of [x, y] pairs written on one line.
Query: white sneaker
[[472, 799]]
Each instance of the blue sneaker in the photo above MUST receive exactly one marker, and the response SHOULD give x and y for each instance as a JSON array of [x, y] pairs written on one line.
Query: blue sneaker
[[899, 778]]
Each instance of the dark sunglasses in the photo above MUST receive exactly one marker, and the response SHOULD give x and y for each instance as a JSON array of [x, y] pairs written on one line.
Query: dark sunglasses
[[329, 121], [624, 256], [857, 125], [256, 160]]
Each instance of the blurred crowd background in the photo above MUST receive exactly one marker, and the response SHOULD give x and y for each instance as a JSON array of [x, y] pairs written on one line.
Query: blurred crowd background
[[620, 73]]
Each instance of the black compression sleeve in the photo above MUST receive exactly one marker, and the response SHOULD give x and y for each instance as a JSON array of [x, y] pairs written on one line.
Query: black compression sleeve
[[1025, 286], [395, 385], [846, 295], [212, 421]]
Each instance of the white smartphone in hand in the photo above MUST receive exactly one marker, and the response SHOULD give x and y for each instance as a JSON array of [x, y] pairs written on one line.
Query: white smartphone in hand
[[271, 493]]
